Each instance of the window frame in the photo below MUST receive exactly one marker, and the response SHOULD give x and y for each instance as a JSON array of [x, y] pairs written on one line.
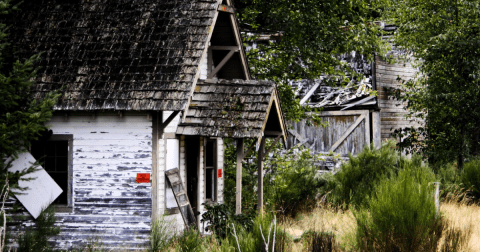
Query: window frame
[[69, 138], [214, 168]]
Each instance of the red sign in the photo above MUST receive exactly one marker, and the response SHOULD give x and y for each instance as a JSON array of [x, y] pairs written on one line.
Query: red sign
[[143, 177], [219, 173]]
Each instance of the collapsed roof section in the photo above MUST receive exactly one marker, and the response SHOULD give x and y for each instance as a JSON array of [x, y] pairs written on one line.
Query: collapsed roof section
[[116, 55], [234, 108], [318, 94]]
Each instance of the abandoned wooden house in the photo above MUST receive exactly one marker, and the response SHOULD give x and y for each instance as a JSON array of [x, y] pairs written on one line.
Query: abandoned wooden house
[[149, 90], [354, 116]]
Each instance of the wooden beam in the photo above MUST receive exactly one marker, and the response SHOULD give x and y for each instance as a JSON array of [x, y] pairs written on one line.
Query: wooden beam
[[226, 8], [347, 133], [222, 63], [249, 149], [358, 102], [309, 93], [225, 48], [209, 61], [170, 118], [271, 146], [238, 193], [261, 155]]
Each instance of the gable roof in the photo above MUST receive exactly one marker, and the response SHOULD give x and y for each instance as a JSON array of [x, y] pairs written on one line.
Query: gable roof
[[116, 55], [233, 108]]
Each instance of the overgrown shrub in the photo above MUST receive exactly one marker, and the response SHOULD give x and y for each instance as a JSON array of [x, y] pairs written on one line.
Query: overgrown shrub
[[401, 215], [264, 231], [35, 239], [470, 177], [218, 218], [190, 241], [292, 182], [357, 178]]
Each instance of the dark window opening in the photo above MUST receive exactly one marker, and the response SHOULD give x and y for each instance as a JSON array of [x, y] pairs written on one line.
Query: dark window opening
[[210, 171], [53, 156]]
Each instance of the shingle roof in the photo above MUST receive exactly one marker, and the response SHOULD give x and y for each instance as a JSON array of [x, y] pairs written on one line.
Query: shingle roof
[[228, 108], [115, 55]]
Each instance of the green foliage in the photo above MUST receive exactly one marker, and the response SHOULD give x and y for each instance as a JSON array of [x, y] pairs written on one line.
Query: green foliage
[[35, 239], [253, 240], [470, 177], [159, 235], [443, 37], [291, 180], [249, 179], [357, 178], [22, 117], [190, 241], [401, 215], [220, 216], [305, 36]]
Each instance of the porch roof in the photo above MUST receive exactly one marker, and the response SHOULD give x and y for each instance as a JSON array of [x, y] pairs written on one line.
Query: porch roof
[[234, 108]]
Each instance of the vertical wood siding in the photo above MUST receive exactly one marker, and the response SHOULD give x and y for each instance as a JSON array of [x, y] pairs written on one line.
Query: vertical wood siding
[[108, 205]]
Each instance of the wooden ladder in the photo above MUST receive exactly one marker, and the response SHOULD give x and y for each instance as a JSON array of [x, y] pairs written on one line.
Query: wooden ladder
[[173, 178]]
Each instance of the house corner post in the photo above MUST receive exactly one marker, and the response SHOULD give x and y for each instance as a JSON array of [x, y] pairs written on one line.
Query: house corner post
[[238, 193], [260, 157]]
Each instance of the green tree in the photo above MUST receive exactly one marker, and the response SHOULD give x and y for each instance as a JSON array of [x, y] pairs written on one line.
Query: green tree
[[443, 37], [305, 38], [22, 118]]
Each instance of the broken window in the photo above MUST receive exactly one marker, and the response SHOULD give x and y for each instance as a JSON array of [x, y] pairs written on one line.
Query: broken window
[[210, 171], [54, 156]]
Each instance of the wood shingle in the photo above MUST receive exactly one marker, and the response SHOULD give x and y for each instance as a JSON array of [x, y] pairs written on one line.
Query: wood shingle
[[115, 55]]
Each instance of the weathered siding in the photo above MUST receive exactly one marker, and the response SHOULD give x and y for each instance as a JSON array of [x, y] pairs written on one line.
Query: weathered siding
[[107, 203], [392, 113], [321, 139]]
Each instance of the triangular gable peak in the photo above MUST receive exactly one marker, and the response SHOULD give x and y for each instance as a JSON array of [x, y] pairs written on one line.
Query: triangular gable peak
[[226, 58]]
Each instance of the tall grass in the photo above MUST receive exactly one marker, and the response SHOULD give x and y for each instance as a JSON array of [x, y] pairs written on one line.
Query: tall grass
[[401, 215], [159, 235]]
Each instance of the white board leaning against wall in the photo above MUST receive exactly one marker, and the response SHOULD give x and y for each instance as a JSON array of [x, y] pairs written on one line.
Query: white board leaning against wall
[[42, 189]]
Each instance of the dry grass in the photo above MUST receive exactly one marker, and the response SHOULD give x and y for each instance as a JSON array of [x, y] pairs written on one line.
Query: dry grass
[[342, 224], [464, 216]]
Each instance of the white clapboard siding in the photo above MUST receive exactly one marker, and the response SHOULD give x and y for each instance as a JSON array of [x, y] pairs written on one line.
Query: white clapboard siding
[[108, 205]]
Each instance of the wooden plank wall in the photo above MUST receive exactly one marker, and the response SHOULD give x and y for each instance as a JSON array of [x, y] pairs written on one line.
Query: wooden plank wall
[[321, 139], [392, 112], [108, 205]]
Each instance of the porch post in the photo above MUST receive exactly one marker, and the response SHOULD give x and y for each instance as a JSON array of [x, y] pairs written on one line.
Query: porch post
[[238, 194], [261, 153]]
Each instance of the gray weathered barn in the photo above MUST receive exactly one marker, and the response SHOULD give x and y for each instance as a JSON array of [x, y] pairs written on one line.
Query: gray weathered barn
[[354, 117], [146, 86]]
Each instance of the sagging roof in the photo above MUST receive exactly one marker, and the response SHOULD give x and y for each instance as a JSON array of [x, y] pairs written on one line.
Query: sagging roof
[[233, 108], [321, 94], [115, 55]]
